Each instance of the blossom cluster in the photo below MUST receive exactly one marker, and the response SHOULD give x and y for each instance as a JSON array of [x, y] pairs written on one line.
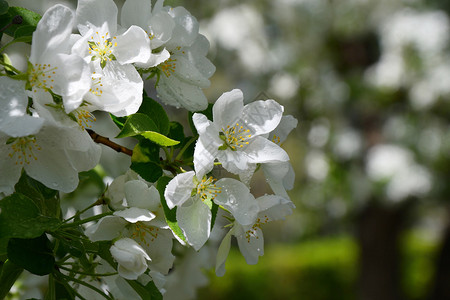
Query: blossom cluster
[[45, 113]]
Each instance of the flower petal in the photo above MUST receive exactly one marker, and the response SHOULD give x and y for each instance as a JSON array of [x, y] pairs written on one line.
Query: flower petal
[[106, 229], [132, 46], [135, 214], [228, 108], [179, 189], [262, 117], [261, 150], [96, 14], [222, 254], [194, 218], [236, 198]]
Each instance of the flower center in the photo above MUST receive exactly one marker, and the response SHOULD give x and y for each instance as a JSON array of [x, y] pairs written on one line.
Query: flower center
[[276, 139], [168, 67], [206, 189], [23, 149], [101, 47], [235, 137], [96, 86], [252, 231], [144, 233], [41, 76], [84, 117]]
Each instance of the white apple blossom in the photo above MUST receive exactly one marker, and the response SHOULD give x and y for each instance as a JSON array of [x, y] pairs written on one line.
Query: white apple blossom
[[180, 58], [54, 155], [250, 237], [236, 135], [130, 256], [52, 67], [193, 198], [139, 217], [116, 86]]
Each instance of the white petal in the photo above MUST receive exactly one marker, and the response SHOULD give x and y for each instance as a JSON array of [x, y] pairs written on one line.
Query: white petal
[[139, 194], [11, 177], [135, 214], [275, 174], [251, 244], [173, 91], [275, 207], [262, 117], [261, 150], [233, 161], [96, 14], [132, 46], [52, 33], [106, 229], [160, 248], [204, 157], [222, 254], [236, 198], [186, 29], [13, 118], [136, 12], [179, 189], [287, 124], [187, 72], [228, 108], [194, 218]]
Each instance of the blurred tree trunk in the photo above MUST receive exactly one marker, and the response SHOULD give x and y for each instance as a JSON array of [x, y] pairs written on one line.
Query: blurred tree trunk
[[379, 229], [441, 283]]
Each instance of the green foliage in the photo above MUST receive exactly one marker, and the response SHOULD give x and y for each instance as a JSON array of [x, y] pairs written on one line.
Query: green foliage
[[21, 218], [22, 31], [156, 112], [149, 291], [140, 124], [9, 272], [34, 255]]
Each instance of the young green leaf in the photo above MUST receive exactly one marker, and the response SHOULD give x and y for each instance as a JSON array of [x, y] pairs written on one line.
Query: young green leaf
[[159, 139], [156, 112], [137, 124]]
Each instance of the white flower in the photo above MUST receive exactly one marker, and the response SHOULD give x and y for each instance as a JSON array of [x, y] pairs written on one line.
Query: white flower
[[116, 86], [185, 74], [14, 120], [132, 259], [158, 25], [193, 198], [53, 156], [250, 237], [52, 67], [139, 217], [236, 135]]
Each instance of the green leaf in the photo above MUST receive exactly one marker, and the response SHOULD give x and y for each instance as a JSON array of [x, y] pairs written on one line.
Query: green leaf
[[136, 124], [29, 18], [176, 132], [119, 121], [24, 31], [8, 275], [46, 199], [170, 214], [21, 218], [146, 151], [149, 291], [150, 171], [3, 7], [159, 138], [24, 39], [156, 112], [214, 210], [34, 255]]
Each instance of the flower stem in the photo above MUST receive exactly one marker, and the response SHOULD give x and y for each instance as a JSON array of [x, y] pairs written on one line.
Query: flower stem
[[93, 218], [105, 141]]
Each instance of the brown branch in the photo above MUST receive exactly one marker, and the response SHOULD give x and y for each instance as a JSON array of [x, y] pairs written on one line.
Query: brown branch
[[105, 141]]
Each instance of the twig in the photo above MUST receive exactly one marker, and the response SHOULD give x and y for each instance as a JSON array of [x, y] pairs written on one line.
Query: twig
[[105, 141]]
